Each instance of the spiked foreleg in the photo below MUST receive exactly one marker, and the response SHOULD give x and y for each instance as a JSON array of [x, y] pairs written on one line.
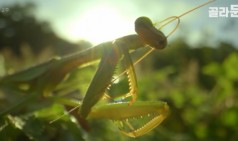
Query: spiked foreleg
[[130, 71]]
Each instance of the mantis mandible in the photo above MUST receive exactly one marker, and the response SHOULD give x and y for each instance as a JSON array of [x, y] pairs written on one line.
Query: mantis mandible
[[43, 79]]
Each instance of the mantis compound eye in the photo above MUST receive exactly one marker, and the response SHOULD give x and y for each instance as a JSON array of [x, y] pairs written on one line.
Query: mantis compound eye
[[149, 34]]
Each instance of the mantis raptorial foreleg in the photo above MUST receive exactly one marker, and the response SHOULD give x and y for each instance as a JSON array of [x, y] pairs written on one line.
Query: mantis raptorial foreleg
[[147, 115], [156, 111], [131, 76]]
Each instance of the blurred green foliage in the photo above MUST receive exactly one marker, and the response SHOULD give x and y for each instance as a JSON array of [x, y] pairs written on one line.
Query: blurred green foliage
[[200, 85]]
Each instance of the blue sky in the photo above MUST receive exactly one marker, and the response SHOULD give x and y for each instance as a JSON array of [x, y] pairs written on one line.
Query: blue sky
[[102, 20]]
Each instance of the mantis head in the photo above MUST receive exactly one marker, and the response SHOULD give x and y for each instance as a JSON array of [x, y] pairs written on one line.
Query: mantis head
[[149, 34]]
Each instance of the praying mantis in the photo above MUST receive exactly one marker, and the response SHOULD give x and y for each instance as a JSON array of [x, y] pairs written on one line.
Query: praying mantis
[[41, 80]]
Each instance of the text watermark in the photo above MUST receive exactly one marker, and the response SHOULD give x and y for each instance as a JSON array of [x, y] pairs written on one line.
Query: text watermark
[[224, 12]]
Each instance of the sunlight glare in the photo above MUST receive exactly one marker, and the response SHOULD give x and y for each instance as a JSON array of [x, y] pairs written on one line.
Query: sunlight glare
[[100, 24]]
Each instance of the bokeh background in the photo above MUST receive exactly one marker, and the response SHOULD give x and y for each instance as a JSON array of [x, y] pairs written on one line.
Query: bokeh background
[[196, 74]]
